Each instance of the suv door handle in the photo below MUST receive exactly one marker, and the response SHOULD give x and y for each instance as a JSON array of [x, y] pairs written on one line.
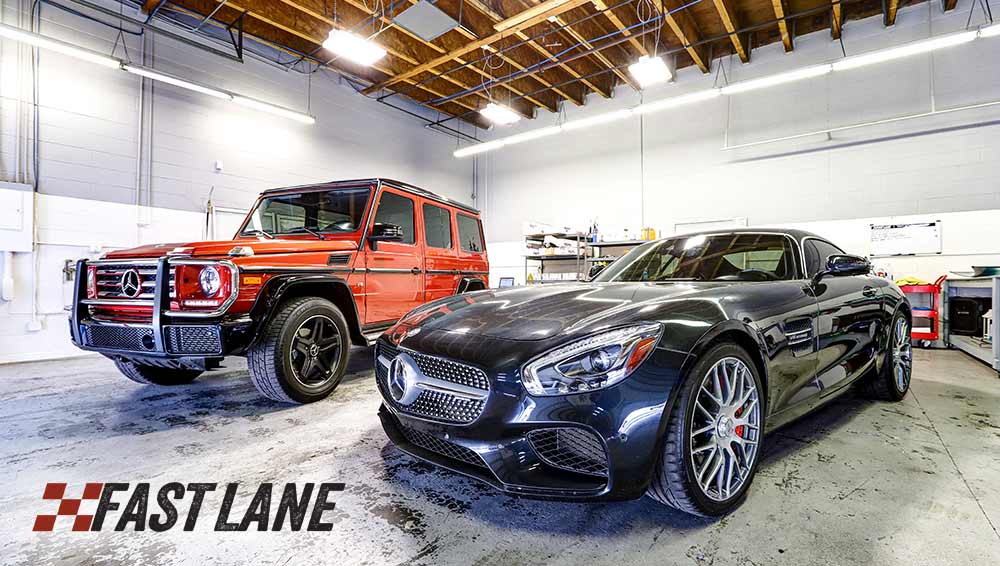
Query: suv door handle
[[415, 271], [869, 291]]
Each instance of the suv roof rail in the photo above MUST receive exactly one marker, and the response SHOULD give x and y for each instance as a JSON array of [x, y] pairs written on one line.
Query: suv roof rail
[[374, 181]]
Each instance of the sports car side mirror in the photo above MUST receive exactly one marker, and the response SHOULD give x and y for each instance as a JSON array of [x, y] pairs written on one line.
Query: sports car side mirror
[[843, 266], [385, 233], [594, 271]]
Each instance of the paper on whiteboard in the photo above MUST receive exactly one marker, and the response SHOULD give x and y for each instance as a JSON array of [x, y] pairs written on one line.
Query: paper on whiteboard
[[903, 239]]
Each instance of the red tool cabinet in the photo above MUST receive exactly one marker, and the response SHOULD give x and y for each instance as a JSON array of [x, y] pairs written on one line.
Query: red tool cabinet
[[926, 310]]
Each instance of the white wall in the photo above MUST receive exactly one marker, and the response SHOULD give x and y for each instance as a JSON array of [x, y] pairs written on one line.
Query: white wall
[[89, 141], [672, 168]]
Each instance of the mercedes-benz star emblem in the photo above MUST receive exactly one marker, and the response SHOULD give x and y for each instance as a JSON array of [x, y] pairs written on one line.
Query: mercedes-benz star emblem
[[131, 284], [403, 377]]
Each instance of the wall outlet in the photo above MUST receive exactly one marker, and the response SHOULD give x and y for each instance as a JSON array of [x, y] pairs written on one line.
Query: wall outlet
[[33, 326], [218, 165]]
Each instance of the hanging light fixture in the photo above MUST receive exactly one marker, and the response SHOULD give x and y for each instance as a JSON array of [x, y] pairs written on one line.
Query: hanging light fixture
[[499, 114], [51, 44], [354, 47], [650, 71]]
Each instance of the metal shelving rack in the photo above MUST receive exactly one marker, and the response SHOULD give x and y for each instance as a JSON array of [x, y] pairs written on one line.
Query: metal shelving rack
[[582, 259], [579, 258], [970, 345]]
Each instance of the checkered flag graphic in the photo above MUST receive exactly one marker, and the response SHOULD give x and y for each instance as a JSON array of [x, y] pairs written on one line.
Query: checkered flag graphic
[[67, 507]]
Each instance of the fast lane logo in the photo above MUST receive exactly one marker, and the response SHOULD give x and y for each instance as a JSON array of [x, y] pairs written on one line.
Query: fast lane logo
[[135, 507]]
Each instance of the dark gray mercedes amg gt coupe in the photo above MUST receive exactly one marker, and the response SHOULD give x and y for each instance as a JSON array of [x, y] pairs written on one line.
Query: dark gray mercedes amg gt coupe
[[660, 376]]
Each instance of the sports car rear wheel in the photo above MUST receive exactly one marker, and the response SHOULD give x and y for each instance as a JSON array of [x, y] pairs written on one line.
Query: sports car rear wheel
[[892, 380], [713, 435]]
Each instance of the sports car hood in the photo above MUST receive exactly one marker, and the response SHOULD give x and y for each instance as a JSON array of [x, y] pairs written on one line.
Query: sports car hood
[[540, 312], [219, 248]]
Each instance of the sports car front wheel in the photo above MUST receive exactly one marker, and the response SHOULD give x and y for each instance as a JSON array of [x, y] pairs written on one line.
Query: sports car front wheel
[[713, 436]]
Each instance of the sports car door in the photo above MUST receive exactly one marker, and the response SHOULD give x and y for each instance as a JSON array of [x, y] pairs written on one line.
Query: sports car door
[[849, 318]]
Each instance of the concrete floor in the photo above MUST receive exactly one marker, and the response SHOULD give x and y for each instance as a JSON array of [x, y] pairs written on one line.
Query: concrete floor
[[858, 483]]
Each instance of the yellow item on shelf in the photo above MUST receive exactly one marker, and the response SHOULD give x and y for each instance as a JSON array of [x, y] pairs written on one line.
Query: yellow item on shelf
[[911, 281]]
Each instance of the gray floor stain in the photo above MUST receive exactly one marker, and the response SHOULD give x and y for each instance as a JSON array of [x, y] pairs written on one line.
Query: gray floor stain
[[859, 482]]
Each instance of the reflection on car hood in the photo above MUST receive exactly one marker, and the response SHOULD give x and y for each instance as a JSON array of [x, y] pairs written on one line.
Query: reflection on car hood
[[542, 311]]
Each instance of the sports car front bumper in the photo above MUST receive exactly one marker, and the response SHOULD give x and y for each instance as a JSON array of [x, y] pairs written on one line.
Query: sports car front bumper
[[601, 445]]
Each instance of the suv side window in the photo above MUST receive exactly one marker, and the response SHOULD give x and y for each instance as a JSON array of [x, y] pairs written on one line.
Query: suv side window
[[398, 210], [437, 227], [469, 234], [816, 253]]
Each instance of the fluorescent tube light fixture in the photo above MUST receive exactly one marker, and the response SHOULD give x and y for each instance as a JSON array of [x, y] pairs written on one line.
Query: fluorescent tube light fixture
[[990, 31], [272, 109], [354, 47], [780, 78], [649, 71], [595, 120], [532, 135], [178, 82], [675, 101], [49, 44], [499, 114], [915, 48], [478, 148]]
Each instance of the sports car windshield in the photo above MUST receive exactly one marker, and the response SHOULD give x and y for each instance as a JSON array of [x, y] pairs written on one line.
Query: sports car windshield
[[322, 212], [714, 257]]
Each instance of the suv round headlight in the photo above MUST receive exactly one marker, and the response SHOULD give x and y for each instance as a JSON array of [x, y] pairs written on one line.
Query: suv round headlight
[[210, 281], [599, 361]]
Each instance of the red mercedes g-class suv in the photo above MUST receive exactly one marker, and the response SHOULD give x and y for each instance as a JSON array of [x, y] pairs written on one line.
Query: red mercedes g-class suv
[[312, 270]]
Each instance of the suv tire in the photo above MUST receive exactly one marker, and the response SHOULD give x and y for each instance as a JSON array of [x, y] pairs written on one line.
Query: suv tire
[[676, 481], [301, 354], [153, 375]]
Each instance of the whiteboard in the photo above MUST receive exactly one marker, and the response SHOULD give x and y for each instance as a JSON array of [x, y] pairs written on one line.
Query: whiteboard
[[906, 239]]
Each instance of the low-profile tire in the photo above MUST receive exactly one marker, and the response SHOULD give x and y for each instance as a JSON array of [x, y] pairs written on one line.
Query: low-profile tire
[[153, 375], [301, 356], [729, 432], [891, 381]]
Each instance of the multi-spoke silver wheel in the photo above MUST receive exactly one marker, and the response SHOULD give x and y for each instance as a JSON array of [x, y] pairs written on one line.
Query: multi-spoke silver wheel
[[725, 429], [902, 354]]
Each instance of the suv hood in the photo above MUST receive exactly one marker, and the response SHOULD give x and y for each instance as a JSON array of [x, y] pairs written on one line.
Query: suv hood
[[543, 311], [218, 248]]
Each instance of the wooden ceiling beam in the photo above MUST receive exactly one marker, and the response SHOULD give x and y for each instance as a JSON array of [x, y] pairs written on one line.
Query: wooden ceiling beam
[[836, 20], [889, 15], [786, 35], [521, 36], [728, 17], [620, 26], [551, 7], [683, 24], [477, 22], [267, 35], [602, 58], [397, 48]]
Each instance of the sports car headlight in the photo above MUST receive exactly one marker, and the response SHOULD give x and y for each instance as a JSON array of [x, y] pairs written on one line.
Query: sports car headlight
[[599, 361]]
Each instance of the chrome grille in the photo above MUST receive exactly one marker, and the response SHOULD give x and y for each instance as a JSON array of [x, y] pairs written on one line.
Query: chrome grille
[[435, 405], [118, 337], [109, 280], [570, 449], [442, 447], [193, 339], [454, 372]]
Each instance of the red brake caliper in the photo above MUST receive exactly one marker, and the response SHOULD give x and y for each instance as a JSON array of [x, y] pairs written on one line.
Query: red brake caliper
[[739, 428]]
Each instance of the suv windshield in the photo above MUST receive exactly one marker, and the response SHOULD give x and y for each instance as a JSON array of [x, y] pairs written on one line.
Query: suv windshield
[[715, 257], [333, 211]]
